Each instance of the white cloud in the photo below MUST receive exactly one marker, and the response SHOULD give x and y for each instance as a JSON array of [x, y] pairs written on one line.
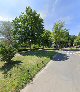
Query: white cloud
[[53, 4], [66, 19], [43, 14], [49, 8]]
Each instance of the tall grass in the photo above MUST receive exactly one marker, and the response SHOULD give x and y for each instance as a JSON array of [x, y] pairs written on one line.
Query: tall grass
[[15, 76]]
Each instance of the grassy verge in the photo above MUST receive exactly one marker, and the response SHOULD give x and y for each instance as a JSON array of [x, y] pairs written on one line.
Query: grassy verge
[[71, 49], [34, 49], [26, 65]]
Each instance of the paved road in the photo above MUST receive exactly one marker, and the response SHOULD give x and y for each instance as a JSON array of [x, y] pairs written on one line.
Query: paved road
[[62, 74]]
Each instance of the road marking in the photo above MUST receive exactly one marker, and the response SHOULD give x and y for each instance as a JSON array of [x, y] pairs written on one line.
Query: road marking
[[70, 53], [67, 53]]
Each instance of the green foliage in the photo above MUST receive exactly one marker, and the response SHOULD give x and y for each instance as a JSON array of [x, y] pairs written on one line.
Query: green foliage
[[79, 34], [6, 32], [28, 28], [46, 38], [35, 46], [77, 41], [71, 40], [61, 35], [7, 53], [7, 50]]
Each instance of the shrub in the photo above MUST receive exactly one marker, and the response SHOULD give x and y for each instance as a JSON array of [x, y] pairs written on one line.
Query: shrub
[[36, 47], [7, 53]]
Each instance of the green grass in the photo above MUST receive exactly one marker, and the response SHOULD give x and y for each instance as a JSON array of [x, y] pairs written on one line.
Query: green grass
[[26, 65], [72, 49], [34, 49]]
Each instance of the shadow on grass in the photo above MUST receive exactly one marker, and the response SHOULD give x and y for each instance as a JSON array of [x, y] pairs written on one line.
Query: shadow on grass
[[8, 66], [61, 57], [40, 53]]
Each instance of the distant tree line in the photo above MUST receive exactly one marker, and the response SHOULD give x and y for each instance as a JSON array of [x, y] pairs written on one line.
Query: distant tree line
[[62, 38]]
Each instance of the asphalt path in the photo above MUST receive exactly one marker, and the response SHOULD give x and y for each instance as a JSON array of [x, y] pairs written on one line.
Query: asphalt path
[[62, 74]]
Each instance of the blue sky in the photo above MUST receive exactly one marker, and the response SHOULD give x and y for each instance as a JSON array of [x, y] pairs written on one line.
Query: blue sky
[[50, 10]]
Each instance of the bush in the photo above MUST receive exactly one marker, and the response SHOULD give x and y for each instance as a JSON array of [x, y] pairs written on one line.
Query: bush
[[7, 53], [35, 46]]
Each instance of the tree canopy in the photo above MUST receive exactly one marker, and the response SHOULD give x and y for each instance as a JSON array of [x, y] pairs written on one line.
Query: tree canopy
[[6, 31], [77, 41], [61, 34], [28, 27]]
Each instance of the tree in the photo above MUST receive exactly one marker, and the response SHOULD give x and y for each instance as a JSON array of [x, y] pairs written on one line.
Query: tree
[[77, 41], [7, 50], [79, 34], [46, 41], [28, 28], [71, 40], [6, 33], [61, 35], [7, 53]]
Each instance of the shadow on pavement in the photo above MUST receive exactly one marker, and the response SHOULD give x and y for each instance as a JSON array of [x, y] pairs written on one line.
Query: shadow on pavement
[[61, 57]]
